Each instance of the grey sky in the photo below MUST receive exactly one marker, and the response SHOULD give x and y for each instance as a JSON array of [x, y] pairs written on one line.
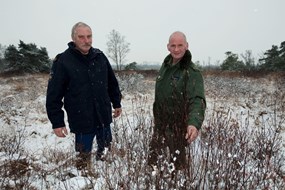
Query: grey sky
[[211, 26]]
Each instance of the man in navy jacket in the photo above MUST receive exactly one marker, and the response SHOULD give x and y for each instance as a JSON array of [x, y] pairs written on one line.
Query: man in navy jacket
[[83, 81]]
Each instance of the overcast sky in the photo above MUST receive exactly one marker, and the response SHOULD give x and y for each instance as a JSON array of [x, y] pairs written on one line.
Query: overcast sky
[[211, 26]]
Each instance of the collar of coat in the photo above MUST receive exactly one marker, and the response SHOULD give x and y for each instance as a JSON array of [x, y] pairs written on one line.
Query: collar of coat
[[92, 51], [184, 63]]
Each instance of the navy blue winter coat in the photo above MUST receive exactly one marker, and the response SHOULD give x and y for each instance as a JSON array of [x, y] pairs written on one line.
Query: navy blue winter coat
[[86, 86]]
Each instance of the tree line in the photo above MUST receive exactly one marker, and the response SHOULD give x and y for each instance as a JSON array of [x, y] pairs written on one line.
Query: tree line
[[272, 60], [29, 58]]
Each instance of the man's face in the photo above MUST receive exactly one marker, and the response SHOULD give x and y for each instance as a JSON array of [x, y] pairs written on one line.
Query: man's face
[[177, 47], [83, 39]]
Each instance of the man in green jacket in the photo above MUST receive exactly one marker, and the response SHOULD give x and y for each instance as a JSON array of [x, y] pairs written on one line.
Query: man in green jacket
[[179, 105]]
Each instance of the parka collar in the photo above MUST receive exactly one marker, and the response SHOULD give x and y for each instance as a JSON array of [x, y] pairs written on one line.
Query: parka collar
[[185, 62], [92, 51]]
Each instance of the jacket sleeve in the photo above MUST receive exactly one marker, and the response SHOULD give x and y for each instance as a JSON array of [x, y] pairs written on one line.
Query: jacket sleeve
[[55, 93], [113, 87], [197, 100]]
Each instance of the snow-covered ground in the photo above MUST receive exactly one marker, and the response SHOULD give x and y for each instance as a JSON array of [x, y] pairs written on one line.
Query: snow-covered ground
[[27, 135]]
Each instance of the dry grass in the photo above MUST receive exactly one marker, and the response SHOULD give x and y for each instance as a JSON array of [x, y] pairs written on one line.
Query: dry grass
[[231, 153]]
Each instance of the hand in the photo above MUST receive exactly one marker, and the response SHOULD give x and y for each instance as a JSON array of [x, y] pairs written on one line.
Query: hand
[[60, 132], [117, 112], [192, 133]]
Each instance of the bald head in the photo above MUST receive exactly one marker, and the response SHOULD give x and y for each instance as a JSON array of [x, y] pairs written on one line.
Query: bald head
[[177, 46], [178, 34]]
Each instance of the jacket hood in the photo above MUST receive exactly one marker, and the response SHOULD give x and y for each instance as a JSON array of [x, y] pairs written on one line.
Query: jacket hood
[[185, 62]]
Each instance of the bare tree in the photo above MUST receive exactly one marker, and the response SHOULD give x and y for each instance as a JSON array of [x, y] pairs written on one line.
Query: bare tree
[[248, 59], [2, 51], [118, 48]]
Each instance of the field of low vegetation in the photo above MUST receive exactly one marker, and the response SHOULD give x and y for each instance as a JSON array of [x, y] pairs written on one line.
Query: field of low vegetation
[[241, 144]]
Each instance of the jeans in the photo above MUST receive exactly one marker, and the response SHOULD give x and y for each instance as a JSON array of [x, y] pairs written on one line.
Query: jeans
[[84, 142]]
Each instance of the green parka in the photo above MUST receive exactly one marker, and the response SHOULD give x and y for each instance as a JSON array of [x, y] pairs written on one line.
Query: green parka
[[179, 95]]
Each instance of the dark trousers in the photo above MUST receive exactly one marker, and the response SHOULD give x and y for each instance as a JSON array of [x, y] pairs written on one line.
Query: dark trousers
[[84, 142], [167, 147]]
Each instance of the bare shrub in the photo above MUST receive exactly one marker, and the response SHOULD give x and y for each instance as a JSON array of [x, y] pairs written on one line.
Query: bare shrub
[[129, 150], [236, 155], [130, 83], [236, 150], [15, 168]]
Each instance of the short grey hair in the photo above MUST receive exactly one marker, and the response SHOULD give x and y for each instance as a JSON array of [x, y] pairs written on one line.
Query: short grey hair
[[79, 24]]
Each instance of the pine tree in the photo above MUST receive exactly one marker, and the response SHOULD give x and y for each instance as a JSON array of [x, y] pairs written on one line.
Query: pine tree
[[27, 58]]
